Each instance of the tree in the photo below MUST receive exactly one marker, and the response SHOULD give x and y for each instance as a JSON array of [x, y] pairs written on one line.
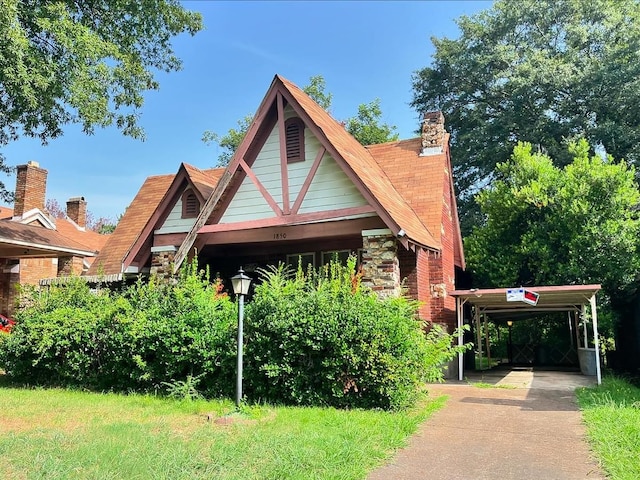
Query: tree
[[365, 127], [540, 71], [546, 225], [82, 62]]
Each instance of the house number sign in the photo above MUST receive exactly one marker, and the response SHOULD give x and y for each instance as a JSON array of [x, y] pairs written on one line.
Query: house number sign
[[279, 236]]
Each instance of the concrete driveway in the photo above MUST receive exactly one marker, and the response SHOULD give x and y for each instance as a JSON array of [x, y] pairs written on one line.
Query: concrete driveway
[[527, 426]]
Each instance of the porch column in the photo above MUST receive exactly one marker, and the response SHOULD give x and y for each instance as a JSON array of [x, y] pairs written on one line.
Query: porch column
[[162, 259], [380, 265]]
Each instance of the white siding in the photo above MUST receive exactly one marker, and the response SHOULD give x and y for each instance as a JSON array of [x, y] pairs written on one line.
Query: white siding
[[175, 223], [248, 203], [331, 189]]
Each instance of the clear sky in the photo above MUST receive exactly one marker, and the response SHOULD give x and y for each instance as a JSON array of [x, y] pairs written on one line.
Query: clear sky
[[364, 50]]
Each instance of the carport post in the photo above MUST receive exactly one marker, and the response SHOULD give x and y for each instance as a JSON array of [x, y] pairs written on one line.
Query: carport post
[[460, 339], [596, 342]]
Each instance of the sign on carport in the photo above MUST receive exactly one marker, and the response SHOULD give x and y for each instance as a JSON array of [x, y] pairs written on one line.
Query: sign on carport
[[522, 295]]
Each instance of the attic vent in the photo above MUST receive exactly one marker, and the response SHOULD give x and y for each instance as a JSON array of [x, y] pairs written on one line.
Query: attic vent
[[190, 205], [294, 136]]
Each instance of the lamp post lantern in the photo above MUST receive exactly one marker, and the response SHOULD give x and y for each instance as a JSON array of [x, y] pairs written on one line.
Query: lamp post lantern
[[240, 283]]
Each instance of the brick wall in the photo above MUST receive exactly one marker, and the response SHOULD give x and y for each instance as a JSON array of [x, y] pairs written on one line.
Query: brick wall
[[414, 271], [31, 186], [77, 211], [68, 266], [442, 267]]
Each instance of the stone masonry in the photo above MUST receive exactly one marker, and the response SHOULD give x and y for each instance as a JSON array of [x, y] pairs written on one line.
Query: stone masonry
[[380, 265], [162, 262]]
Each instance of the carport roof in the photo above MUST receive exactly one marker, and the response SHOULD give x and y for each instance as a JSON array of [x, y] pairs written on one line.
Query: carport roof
[[552, 298]]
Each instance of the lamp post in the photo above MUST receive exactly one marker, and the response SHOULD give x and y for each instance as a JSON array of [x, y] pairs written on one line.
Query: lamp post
[[510, 345], [240, 284]]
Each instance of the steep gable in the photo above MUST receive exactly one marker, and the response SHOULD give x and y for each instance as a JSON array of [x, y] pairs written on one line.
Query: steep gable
[[150, 212], [109, 260], [275, 196]]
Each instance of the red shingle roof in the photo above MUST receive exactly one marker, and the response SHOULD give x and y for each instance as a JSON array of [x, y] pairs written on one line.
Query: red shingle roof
[[370, 173], [135, 217]]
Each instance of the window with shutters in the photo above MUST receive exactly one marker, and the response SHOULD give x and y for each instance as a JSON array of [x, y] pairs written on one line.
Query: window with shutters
[[190, 205], [294, 133]]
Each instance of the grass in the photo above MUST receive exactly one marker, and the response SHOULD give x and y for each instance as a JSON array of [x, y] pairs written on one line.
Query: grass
[[63, 434], [490, 385], [612, 416]]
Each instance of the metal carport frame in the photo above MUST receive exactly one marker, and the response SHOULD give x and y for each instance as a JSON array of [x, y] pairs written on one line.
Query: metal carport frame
[[560, 298]]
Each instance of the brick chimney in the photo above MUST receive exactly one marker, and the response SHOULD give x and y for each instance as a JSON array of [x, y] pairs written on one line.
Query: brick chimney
[[432, 134], [31, 187], [77, 211]]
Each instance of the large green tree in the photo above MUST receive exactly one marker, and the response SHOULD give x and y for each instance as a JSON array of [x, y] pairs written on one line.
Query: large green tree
[[544, 224], [541, 71], [85, 62], [366, 126]]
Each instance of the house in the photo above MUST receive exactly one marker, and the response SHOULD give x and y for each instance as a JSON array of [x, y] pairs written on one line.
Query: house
[[301, 187], [33, 245]]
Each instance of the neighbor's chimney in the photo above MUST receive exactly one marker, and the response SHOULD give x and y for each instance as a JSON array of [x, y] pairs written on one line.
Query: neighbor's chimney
[[31, 187], [432, 134], [77, 211]]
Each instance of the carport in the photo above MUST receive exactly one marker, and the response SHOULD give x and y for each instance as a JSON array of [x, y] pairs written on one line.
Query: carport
[[563, 298]]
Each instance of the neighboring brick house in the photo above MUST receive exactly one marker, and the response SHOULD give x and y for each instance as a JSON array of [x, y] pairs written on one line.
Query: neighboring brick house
[[33, 245], [300, 186]]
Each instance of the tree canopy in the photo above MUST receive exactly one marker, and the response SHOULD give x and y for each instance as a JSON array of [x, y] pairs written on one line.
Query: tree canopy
[[547, 225], [541, 71], [366, 126], [83, 62]]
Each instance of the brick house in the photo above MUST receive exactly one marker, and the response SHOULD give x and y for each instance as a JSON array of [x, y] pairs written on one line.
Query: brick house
[[300, 187], [33, 245]]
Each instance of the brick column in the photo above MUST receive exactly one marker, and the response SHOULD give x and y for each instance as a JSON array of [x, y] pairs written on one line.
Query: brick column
[[162, 261], [380, 265]]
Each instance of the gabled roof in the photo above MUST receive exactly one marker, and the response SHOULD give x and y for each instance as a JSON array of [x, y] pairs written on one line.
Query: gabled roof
[[20, 241], [421, 182], [153, 202], [68, 233], [110, 258], [363, 165], [354, 159]]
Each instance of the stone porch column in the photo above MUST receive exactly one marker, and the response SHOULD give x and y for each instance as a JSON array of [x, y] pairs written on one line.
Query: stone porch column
[[162, 261], [380, 264]]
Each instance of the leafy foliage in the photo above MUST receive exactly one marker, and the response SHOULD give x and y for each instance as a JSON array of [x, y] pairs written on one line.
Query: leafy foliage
[[316, 339], [546, 225], [366, 126], [83, 62], [539, 71], [322, 339], [153, 335]]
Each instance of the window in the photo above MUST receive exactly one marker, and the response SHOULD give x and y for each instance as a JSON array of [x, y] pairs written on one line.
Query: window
[[294, 136], [190, 205], [340, 256], [302, 259]]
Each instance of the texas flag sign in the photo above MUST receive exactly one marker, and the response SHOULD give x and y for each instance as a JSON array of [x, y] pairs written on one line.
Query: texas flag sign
[[522, 295]]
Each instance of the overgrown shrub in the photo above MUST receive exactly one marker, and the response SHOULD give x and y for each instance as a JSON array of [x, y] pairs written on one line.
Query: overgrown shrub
[[322, 339], [150, 335]]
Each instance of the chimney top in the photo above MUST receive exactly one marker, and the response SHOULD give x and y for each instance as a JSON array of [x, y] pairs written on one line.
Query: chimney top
[[77, 211], [433, 134], [31, 185]]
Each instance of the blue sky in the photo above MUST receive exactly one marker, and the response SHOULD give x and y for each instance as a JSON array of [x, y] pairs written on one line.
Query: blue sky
[[364, 50]]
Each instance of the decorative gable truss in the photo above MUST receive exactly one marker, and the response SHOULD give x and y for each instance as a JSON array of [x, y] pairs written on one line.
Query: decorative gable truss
[[274, 181]]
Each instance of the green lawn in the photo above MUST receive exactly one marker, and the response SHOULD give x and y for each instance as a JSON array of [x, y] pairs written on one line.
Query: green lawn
[[60, 434], [612, 415]]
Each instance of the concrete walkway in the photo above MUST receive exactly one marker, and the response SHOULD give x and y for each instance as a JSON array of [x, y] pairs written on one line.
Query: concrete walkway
[[531, 429]]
